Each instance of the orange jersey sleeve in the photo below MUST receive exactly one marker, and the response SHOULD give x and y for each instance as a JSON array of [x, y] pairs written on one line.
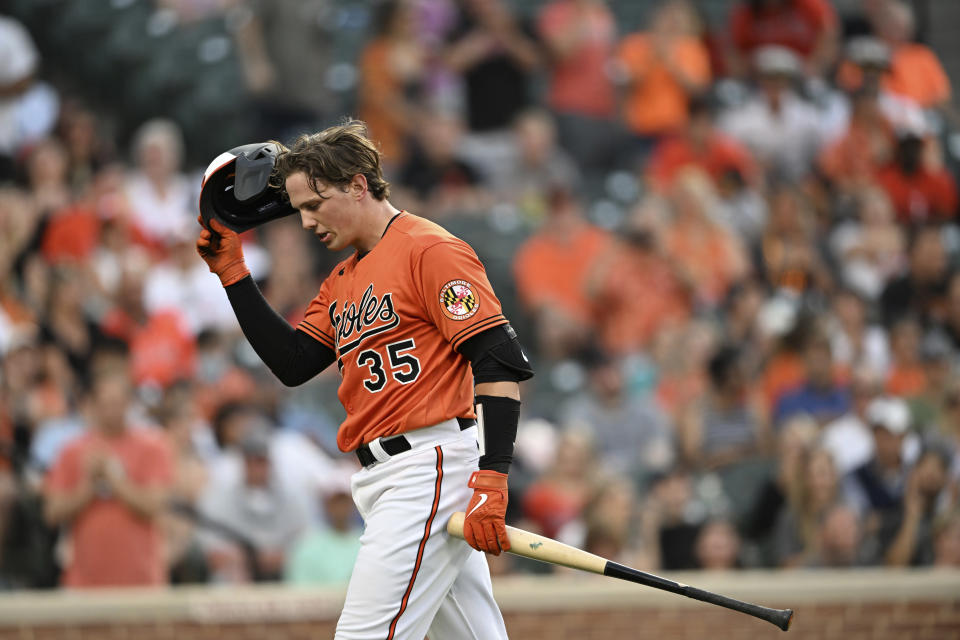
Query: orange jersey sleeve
[[457, 295]]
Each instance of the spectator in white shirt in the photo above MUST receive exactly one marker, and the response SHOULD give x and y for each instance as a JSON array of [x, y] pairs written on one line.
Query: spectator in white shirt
[[783, 131], [184, 283], [161, 200], [256, 509], [848, 438]]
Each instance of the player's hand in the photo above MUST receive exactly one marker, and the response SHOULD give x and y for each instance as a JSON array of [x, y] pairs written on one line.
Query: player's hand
[[221, 249], [483, 526]]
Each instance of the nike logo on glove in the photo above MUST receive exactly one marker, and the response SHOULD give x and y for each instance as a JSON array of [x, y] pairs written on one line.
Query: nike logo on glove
[[483, 498]]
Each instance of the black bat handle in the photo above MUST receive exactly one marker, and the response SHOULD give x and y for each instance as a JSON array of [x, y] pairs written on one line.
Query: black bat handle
[[779, 617]]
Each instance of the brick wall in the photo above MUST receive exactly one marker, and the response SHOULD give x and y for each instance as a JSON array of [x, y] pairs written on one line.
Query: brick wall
[[860, 605]]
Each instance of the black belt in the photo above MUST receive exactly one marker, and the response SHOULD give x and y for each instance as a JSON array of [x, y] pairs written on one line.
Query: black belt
[[393, 445]]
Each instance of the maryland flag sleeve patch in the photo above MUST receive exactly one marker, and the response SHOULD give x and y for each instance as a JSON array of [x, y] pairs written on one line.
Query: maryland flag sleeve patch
[[459, 300]]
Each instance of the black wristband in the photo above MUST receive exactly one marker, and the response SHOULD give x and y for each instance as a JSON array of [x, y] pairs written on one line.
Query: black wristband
[[497, 418]]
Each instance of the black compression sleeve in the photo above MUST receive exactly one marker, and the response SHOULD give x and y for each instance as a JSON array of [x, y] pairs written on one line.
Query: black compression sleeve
[[497, 419], [293, 356]]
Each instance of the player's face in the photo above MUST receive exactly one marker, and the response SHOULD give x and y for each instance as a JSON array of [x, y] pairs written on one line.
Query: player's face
[[328, 212]]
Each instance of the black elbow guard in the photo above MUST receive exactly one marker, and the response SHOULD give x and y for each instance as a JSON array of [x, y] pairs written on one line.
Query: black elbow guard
[[496, 356]]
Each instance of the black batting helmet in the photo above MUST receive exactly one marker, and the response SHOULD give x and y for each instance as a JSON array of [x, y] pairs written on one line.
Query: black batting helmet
[[236, 188]]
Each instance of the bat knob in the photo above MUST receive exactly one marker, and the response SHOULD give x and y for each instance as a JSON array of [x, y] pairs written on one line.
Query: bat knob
[[786, 617]]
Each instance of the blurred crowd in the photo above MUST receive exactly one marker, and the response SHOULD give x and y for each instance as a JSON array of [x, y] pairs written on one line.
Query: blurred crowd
[[729, 245]]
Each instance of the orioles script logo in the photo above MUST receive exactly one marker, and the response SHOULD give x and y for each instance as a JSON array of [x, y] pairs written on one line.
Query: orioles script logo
[[357, 322]]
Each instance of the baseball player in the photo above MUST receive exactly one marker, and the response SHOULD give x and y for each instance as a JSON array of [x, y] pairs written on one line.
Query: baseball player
[[430, 370]]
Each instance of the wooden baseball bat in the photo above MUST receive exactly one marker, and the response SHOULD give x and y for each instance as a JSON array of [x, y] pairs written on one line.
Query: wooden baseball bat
[[531, 545]]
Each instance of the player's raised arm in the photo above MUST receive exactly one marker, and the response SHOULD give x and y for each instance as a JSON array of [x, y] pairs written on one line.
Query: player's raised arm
[[236, 189]]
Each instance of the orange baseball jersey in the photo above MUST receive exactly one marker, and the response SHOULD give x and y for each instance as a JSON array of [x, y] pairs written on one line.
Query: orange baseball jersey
[[394, 319]]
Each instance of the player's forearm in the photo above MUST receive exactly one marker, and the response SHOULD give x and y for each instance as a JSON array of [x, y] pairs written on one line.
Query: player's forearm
[[503, 388], [292, 356], [497, 419], [498, 365]]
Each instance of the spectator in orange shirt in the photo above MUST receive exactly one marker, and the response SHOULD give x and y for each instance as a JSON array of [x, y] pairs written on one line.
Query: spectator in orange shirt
[[580, 38], [808, 27], [109, 486], [921, 190], [663, 69], [162, 349], [71, 228], [636, 290], [71, 235], [915, 71], [868, 144], [551, 269], [708, 254], [699, 145], [392, 70]]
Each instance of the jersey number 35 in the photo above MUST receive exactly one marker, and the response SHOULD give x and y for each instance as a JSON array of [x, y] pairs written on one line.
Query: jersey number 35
[[404, 366]]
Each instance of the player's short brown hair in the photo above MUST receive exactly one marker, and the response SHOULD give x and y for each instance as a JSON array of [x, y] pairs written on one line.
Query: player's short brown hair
[[333, 156]]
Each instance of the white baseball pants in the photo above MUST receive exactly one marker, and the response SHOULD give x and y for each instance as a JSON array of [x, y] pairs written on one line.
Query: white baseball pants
[[411, 579]]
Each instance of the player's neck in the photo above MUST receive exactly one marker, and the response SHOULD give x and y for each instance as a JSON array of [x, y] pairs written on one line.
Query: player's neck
[[379, 215]]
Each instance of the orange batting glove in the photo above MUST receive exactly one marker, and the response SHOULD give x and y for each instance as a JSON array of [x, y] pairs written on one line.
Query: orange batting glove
[[221, 249], [483, 526]]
